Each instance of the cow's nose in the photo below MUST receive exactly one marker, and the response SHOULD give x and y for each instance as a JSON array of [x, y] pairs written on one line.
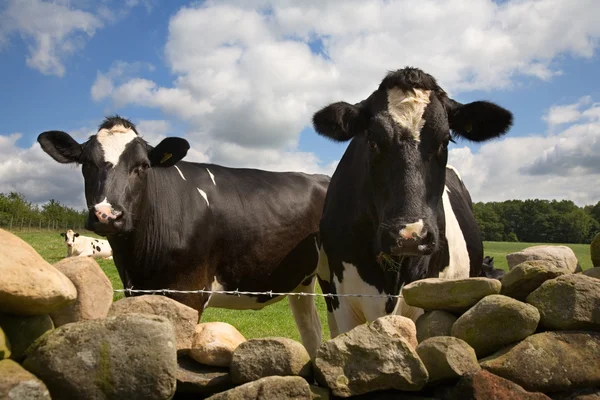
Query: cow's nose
[[413, 231], [105, 214]]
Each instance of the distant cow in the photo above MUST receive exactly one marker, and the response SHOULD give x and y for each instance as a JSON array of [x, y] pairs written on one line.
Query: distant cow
[[85, 246], [190, 226], [489, 271], [394, 212]]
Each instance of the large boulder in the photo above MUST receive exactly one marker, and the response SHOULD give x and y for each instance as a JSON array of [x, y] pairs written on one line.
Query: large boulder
[[561, 256], [528, 276], [550, 361], [261, 357], [397, 326], [94, 291], [486, 386], [201, 379], [269, 388], [434, 323], [213, 343], [568, 302], [128, 356], [450, 295], [17, 383], [23, 330], [495, 322], [183, 318], [364, 360], [447, 358], [29, 285]]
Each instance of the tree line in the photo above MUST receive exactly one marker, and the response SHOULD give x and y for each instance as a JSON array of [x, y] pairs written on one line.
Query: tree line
[[538, 221], [16, 212]]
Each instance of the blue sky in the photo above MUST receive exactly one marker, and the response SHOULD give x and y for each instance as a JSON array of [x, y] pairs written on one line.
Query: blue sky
[[242, 84]]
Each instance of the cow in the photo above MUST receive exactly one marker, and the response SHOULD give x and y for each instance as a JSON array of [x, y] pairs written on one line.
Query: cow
[[395, 212], [489, 271], [182, 225], [85, 246]]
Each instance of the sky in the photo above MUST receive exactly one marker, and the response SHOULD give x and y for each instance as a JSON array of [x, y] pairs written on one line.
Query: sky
[[241, 80]]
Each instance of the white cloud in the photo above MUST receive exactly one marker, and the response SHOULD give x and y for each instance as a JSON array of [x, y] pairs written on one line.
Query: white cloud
[[250, 74], [563, 165]]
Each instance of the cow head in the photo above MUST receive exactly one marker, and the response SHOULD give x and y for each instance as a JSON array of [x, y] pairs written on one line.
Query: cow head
[[401, 134], [69, 237], [115, 165]]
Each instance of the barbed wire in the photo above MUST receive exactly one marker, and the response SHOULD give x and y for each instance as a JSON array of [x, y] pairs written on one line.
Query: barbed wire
[[270, 293]]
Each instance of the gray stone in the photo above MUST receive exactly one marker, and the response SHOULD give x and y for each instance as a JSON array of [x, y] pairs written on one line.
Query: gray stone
[[581, 394], [447, 358], [16, 383], [569, 302], [261, 357], [449, 295], [29, 285], [592, 272], [269, 388], [495, 322], [23, 330], [434, 323], [364, 360], [550, 361], [486, 386], [320, 393], [561, 256], [94, 291], [193, 377], [128, 356], [397, 326], [183, 318], [528, 276]]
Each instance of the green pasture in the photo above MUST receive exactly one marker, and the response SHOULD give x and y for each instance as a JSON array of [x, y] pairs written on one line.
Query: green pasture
[[274, 320]]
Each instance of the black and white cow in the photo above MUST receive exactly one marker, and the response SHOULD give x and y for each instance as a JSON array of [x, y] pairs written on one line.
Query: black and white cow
[[85, 246], [394, 211], [188, 226]]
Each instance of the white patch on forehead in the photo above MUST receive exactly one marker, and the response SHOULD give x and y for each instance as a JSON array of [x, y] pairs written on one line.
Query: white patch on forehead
[[455, 171], [113, 142], [203, 193], [407, 108], [180, 173], [211, 176]]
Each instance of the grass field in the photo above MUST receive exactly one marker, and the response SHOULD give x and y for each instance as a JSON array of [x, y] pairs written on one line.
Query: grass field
[[274, 320]]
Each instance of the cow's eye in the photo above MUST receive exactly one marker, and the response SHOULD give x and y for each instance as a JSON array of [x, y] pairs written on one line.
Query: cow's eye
[[140, 169], [373, 145]]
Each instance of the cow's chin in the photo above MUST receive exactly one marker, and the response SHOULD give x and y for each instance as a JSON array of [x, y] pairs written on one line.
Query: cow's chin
[[112, 228]]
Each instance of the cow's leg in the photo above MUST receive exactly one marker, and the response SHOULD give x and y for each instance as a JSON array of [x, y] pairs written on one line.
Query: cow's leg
[[347, 316], [307, 318]]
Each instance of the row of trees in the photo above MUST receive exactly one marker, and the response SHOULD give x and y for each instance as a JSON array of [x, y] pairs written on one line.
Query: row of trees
[[16, 212], [541, 221]]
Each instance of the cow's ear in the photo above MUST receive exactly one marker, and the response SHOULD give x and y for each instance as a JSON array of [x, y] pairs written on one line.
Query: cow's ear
[[340, 121], [76, 235], [60, 146], [62, 234], [478, 121], [168, 152]]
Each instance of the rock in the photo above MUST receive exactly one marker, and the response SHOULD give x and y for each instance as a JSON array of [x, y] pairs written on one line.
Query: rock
[[447, 358], [29, 285], [528, 276], [16, 383], [561, 256], [183, 318], [127, 356], [495, 322], [583, 394], [592, 272], [258, 358], [569, 302], [4, 345], [434, 323], [319, 393], [391, 395], [201, 379], [23, 330], [486, 386], [94, 291], [397, 326], [269, 388], [449, 295], [213, 343], [363, 360], [550, 361]]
